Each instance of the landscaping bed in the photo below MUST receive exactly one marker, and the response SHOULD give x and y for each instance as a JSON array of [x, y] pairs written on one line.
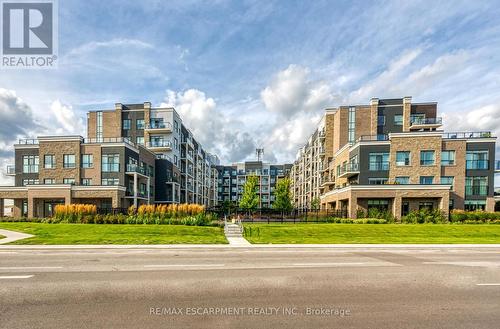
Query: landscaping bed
[[386, 233], [74, 234]]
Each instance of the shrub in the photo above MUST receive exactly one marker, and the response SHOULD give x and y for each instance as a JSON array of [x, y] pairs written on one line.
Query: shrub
[[424, 216], [73, 213], [467, 217]]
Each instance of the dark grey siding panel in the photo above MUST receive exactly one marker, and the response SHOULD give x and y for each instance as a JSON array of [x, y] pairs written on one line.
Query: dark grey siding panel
[[19, 153], [364, 162], [490, 173]]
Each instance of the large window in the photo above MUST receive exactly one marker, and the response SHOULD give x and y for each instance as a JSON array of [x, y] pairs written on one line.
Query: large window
[[477, 160], [86, 181], [448, 180], [403, 180], [377, 181], [49, 181], [398, 120], [379, 161], [99, 126], [110, 163], [427, 158], [426, 205], [352, 124], [477, 186], [69, 161], [426, 180], [30, 182], [139, 123], [447, 158], [68, 181], [126, 124], [139, 140], [87, 160], [110, 181], [49, 161], [30, 164], [473, 205], [403, 158], [380, 204]]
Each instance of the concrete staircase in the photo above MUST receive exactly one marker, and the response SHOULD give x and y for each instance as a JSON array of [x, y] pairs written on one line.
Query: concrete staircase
[[233, 230]]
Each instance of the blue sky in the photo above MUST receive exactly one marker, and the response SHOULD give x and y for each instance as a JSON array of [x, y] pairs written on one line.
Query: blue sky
[[259, 73]]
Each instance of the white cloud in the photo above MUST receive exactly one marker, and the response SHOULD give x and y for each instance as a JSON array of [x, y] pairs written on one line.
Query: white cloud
[[486, 118], [292, 91], [217, 132], [67, 119], [113, 43]]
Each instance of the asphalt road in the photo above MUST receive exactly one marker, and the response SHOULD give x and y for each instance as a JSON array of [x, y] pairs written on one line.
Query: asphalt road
[[251, 288]]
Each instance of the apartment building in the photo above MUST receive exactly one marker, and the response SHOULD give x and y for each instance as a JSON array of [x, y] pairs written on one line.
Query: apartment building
[[231, 180], [391, 155], [51, 170], [189, 175]]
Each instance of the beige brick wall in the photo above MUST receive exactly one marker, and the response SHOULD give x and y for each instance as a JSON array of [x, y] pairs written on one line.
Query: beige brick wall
[[340, 129], [406, 113], [112, 123], [58, 149], [93, 173], [363, 122], [329, 134], [338, 161], [373, 117], [92, 125], [415, 145]]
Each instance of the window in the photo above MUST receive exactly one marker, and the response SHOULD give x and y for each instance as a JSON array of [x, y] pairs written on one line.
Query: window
[[477, 186], [426, 158], [398, 120], [473, 205], [49, 161], [403, 158], [379, 161], [110, 181], [381, 120], [176, 144], [403, 180], [110, 163], [139, 140], [69, 161], [380, 204], [447, 158], [86, 181], [377, 181], [99, 126], [87, 160], [448, 180], [351, 124], [126, 124], [426, 205], [68, 181], [139, 123], [30, 164], [30, 182], [49, 181], [426, 180], [477, 160], [175, 160]]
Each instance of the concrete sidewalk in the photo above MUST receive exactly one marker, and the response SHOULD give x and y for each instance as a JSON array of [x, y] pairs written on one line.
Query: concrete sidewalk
[[11, 236], [257, 246]]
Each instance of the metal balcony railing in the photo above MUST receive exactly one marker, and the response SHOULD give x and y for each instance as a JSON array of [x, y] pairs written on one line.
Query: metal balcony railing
[[159, 144], [477, 164], [426, 121], [159, 125], [349, 168], [468, 135], [370, 138]]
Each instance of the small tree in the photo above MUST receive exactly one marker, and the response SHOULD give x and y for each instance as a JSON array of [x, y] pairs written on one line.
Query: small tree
[[315, 203], [283, 200], [249, 199]]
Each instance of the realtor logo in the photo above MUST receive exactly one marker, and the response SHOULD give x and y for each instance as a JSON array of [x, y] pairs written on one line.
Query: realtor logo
[[29, 34]]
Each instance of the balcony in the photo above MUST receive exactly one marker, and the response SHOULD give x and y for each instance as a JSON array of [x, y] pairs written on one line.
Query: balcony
[[159, 127], [28, 141], [133, 168], [468, 135], [420, 123], [11, 170], [373, 138], [326, 181], [477, 190], [379, 166], [159, 145], [349, 170], [477, 165]]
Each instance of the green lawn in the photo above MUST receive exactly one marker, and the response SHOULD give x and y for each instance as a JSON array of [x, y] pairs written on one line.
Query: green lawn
[[115, 234], [372, 233]]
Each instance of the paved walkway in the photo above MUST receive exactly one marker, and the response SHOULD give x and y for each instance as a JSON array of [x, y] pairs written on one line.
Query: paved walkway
[[238, 241], [11, 236]]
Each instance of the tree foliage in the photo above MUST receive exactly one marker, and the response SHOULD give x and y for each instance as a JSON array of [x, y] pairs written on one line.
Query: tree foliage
[[250, 199], [315, 203], [283, 196]]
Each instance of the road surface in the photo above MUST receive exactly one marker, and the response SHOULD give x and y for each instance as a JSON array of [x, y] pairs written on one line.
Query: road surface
[[285, 287]]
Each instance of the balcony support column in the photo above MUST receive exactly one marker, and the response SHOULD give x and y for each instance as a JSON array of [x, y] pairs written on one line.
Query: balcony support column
[[2, 205], [135, 190]]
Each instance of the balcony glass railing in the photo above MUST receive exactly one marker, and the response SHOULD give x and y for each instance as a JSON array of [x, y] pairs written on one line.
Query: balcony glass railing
[[351, 167], [369, 138], [468, 135], [159, 143], [110, 167], [138, 169], [477, 164], [426, 121], [159, 125], [379, 166], [28, 141], [11, 170], [481, 190]]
